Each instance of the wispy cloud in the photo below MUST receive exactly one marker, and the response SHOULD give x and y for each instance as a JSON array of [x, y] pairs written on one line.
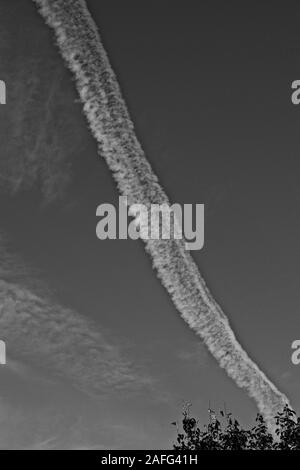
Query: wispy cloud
[[194, 354], [40, 332], [63, 342], [36, 149]]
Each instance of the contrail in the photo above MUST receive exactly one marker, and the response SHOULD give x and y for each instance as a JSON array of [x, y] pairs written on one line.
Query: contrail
[[108, 118]]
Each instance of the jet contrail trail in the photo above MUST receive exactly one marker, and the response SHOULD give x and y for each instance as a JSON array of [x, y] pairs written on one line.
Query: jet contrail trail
[[108, 118]]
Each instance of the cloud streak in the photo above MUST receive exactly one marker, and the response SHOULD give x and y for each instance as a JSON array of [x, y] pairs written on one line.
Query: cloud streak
[[108, 118], [35, 128], [40, 332], [58, 339]]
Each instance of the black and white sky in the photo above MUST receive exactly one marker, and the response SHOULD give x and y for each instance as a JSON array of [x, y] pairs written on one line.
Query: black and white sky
[[97, 354]]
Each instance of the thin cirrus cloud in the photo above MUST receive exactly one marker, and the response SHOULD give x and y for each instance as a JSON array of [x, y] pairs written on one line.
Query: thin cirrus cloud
[[108, 118], [63, 342], [35, 129], [40, 332]]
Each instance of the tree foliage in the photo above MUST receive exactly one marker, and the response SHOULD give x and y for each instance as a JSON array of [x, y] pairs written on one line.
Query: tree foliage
[[227, 434]]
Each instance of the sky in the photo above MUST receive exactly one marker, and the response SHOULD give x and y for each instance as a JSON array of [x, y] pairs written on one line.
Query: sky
[[97, 354]]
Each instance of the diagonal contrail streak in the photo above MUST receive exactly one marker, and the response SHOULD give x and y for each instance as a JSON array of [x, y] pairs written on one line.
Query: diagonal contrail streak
[[108, 118]]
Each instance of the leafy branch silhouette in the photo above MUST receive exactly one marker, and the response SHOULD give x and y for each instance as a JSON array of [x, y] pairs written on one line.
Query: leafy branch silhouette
[[227, 433]]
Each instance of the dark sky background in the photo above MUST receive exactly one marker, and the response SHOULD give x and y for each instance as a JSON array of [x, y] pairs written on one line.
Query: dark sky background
[[208, 85]]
